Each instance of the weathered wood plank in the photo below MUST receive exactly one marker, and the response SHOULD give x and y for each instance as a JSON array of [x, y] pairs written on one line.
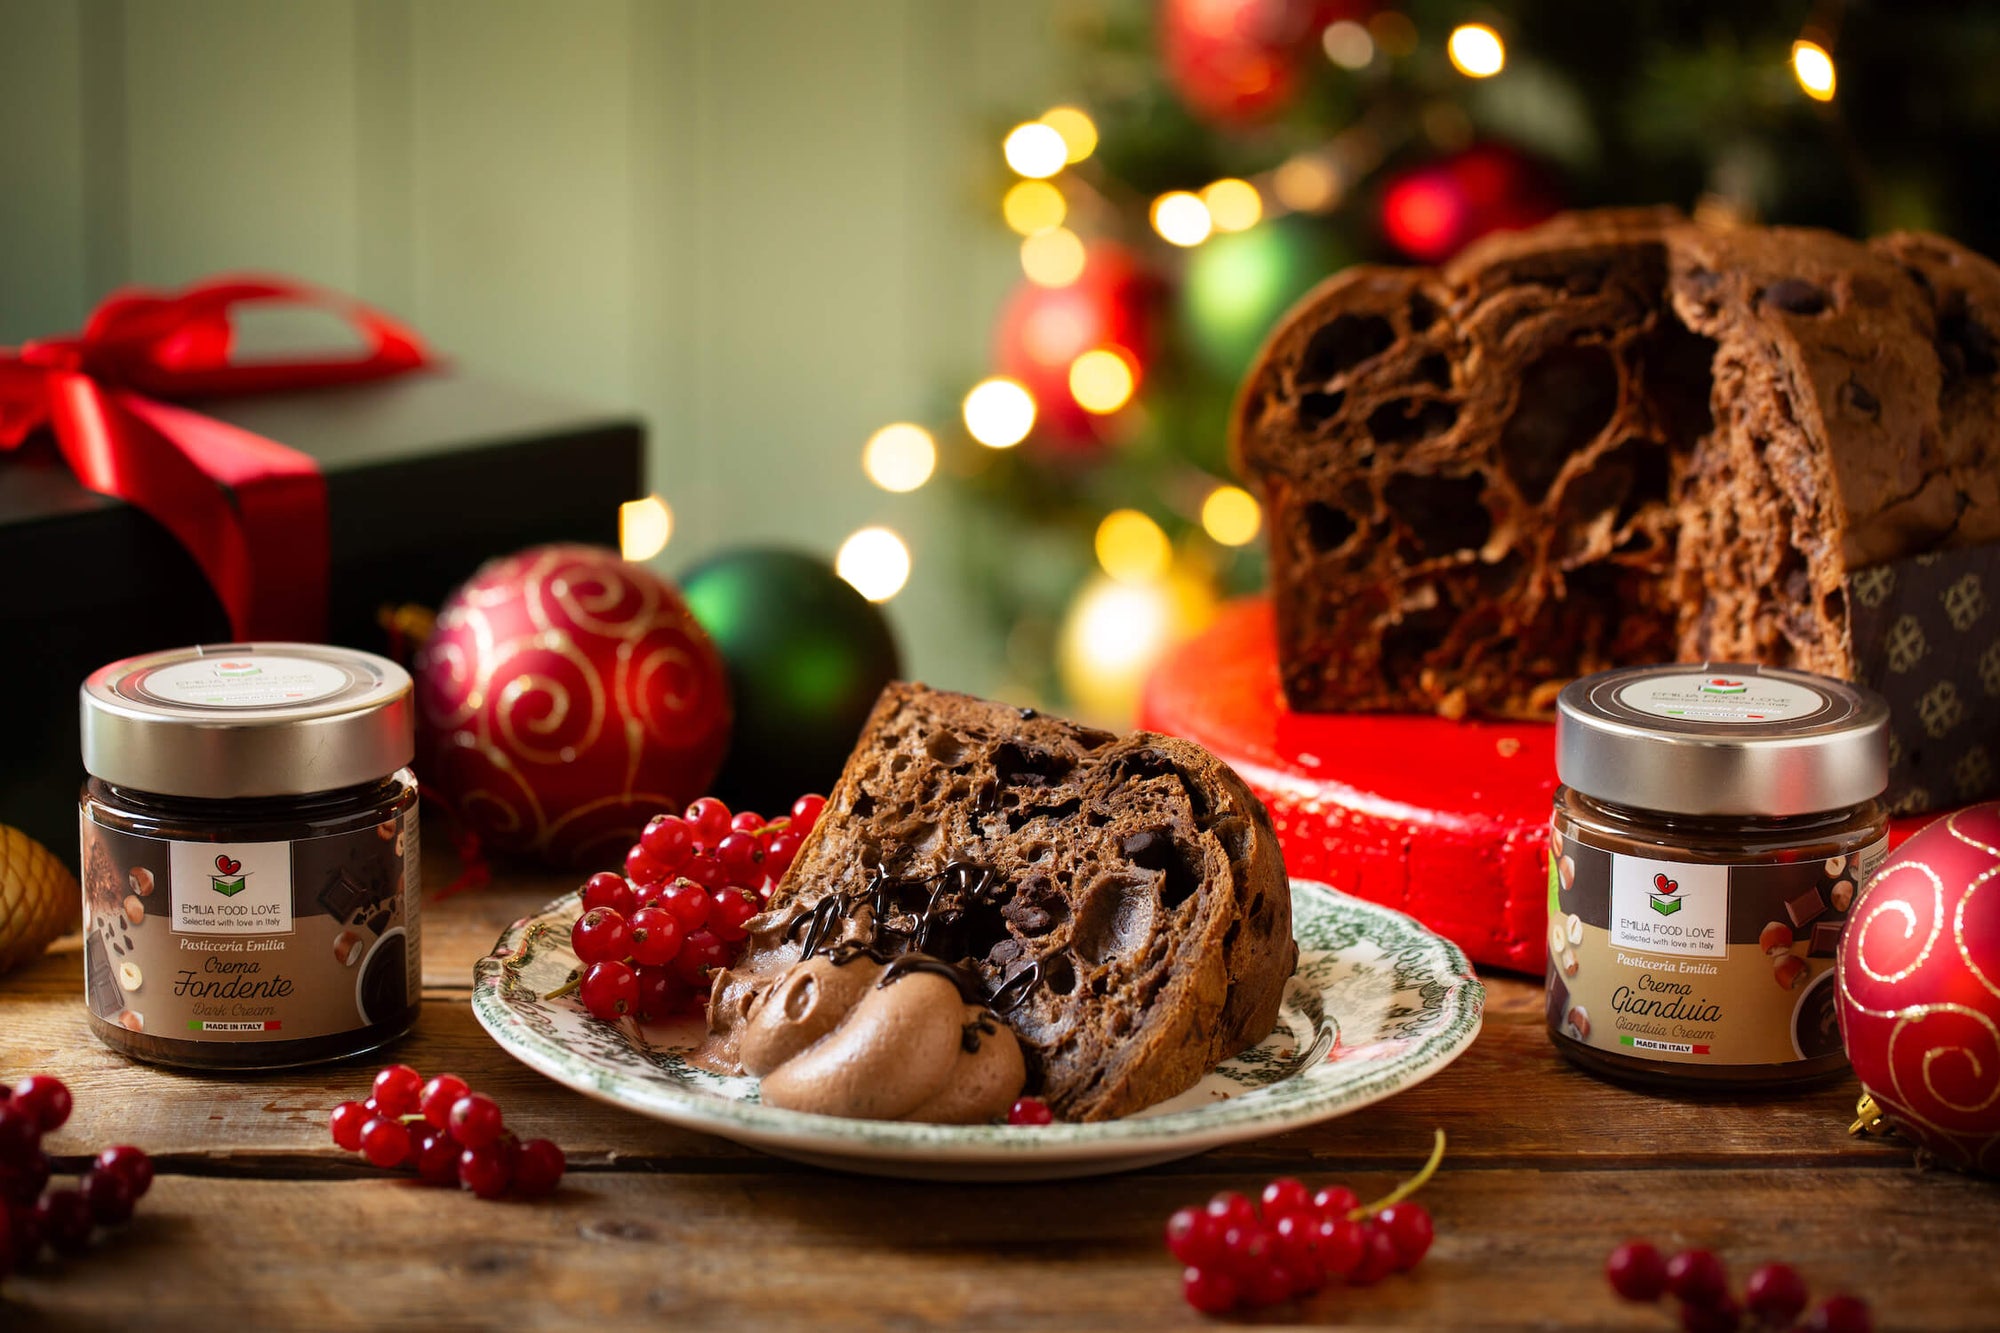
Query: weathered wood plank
[[1509, 1099], [798, 1248]]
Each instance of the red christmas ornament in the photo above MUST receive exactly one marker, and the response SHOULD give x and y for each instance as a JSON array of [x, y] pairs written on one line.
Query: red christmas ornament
[[1238, 61], [565, 698], [1042, 330], [1432, 212], [1918, 988]]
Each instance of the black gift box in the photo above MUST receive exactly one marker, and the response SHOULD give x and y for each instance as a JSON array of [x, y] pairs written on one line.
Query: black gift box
[[427, 475]]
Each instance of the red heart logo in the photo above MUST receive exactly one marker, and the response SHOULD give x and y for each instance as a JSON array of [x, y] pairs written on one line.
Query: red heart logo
[[228, 865], [1660, 883]]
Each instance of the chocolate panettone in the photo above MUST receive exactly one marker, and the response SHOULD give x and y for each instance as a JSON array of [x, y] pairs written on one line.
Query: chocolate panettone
[[1138, 919], [1619, 437]]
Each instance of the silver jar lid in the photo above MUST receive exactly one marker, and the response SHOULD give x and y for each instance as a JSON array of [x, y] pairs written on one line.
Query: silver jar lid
[[1722, 738], [247, 719]]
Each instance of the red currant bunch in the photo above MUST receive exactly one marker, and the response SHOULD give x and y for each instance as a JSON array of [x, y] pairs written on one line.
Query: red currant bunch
[[1773, 1298], [33, 1216], [1296, 1240], [648, 939], [447, 1133]]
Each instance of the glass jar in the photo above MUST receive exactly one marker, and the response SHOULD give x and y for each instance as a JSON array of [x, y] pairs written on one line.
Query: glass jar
[[1713, 827], [250, 854]]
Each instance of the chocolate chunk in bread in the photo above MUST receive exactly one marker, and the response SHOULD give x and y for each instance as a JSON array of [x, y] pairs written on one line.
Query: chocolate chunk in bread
[[1616, 438], [1138, 873]]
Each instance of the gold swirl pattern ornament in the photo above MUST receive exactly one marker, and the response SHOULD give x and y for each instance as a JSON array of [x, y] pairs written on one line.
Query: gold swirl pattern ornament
[[1918, 988], [564, 699]]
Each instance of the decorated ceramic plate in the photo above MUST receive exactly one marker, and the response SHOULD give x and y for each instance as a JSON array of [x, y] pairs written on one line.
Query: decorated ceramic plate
[[1378, 1004]]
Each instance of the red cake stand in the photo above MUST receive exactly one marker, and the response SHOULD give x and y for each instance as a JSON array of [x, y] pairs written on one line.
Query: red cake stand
[[1444, 820]]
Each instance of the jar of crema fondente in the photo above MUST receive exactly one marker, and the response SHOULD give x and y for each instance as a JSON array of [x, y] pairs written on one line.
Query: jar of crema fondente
[[249, 855], [1712, 828]]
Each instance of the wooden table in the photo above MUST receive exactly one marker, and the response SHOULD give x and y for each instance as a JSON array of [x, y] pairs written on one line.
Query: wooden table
[[257, 1220]]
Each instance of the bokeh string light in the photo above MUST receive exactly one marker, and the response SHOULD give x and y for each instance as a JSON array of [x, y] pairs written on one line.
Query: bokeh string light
[[1233, 205], [899, 457], [1033, 206], [1812, 66], [1182, 218], [1230, 516], [999, 412], [1035, 150], [1476, 51], [1102, 380], [644, 527], [1078, 131], [1052, 258], [875, 561], [1132, 548]]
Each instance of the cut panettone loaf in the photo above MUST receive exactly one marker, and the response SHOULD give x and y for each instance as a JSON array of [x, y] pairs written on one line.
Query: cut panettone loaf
[[1137, 873], [1619, 437]]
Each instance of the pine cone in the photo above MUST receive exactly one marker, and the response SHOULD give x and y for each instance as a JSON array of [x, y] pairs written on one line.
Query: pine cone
[[39, 898]]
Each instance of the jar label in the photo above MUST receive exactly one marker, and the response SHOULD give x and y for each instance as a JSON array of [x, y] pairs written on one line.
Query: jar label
[[1726, 700], [252, 680], [251, 941], [1691, 962]]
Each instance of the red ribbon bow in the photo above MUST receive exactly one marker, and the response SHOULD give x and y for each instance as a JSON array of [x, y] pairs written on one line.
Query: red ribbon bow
[[251, 512]]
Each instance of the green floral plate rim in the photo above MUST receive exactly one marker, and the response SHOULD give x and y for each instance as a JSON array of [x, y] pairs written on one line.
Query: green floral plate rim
[[1378, 1004]]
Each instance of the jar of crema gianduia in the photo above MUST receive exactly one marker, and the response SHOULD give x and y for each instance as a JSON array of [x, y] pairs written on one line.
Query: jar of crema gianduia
[[1712, 828], [249, 855]]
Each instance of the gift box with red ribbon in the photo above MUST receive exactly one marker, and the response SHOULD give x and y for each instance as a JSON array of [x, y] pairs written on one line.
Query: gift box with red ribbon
[[159, 488]]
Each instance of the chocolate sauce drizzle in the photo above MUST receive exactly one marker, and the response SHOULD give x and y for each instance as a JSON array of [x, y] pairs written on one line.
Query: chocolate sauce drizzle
[[902, 951]]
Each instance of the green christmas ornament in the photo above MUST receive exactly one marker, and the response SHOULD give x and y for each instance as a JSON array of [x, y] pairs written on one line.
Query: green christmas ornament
[[806, 656], [1237, 286]]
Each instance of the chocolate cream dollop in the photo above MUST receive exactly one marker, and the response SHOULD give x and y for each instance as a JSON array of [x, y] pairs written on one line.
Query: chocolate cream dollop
[[879, 1041], [838, 1008]]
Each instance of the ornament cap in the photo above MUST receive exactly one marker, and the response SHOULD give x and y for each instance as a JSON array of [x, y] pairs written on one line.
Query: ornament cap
[[1722, 738], [221, 721]]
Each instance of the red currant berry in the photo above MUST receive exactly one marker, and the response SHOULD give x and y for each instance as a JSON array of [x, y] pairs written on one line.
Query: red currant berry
[[1229, 1208], [642, 869], [1284, 1195], [1246, 1247], [668, 840], [1210, 1290], [1294, 1241], [1841, 1314], [705, 869], [1340, 1241], [660, 994], [655, 936], [1410, 1230], [747, 821], [397, 1089], [1636, 1271], [436, 1157], [600, 936], [1697, 1277], [742, 858], [27, 1227], [780, 852], [385, 1143], [438, 1095], [20, 1132], [1270, 1283], [701, 951], [1194, 1238], [65, 1221], [610, 990], [1335, 1201], [538, 1169], [346, 1122], [688, 901], [486, 1171], [1775, 1294], [44, 1097], [1378, 1257], [710, 819], [476, 1120], [109, 1196], [131, 1163], [22, 1182], [609, 889], [1721, 1317], [806, 812], [1030, 1111], [729, 909]]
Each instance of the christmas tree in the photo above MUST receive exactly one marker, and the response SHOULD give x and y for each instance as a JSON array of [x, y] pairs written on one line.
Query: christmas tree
[[1220, 157]]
